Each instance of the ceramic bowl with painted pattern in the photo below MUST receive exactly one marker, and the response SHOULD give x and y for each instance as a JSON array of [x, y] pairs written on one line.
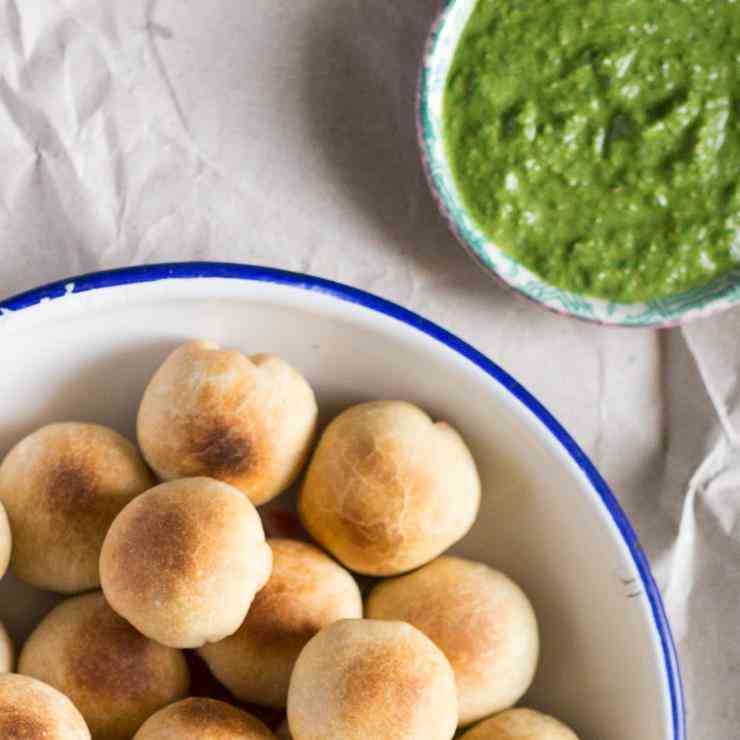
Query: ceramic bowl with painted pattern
[[722, 293]]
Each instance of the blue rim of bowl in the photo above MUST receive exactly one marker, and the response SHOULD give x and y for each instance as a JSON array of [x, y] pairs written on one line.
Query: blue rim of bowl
[[256, 274], [720, 294]]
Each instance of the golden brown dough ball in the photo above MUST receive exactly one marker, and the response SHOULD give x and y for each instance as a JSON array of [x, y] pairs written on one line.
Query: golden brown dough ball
[[388, 489], [7, 651], [520, 724], [307, 591], [203, 719], [6, 541], [62, 486], [115, 676], [29, 709], [183, 562], [246, 421], [479, 618], [362, 679]]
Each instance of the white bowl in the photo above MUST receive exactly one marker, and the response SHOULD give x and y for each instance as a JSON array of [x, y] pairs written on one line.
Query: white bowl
[[85, 349]]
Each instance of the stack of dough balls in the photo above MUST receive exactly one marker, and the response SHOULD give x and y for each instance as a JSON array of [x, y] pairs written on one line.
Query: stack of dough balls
[[170, 547]]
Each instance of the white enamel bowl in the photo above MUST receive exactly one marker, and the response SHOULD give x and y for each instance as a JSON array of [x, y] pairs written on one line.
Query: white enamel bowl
[[84, 350]]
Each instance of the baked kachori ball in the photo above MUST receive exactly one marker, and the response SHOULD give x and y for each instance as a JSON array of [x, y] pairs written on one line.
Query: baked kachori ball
[[114, 675], [203, 719], [388, 489], [480, 619], [31, 710], [6, 541], [7, 651], [520, 724], [183, 561], [307, 591], [246, 421], [62, 487], [363, 679]]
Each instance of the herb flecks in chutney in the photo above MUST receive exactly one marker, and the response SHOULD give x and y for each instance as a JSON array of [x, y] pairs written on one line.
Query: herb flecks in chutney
[[598, 143]]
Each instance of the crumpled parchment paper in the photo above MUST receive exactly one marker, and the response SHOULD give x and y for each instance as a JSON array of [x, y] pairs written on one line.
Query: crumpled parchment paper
[[282, 133]]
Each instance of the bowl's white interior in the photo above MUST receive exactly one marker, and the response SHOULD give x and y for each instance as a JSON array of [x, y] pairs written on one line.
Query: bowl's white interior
[[88, 357]]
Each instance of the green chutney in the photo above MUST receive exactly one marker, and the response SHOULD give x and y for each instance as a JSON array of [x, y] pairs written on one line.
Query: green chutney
[[597, 141]]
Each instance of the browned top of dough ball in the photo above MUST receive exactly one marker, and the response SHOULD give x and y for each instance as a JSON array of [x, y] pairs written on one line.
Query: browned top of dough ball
[[31, 710], [202, 718], [79, 474], [219, 439], [167, 536], [246, 421], [224, 451], [105, 655], [157, 550], [372, 679], [114, 675], [202, 393], [389, 489], [63, 486], [366, 684], [20, 723], [183, 561], [199, 713], [111, 658]]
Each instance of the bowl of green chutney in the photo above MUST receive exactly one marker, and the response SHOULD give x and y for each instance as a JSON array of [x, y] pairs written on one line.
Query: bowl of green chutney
[[587, 152]]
